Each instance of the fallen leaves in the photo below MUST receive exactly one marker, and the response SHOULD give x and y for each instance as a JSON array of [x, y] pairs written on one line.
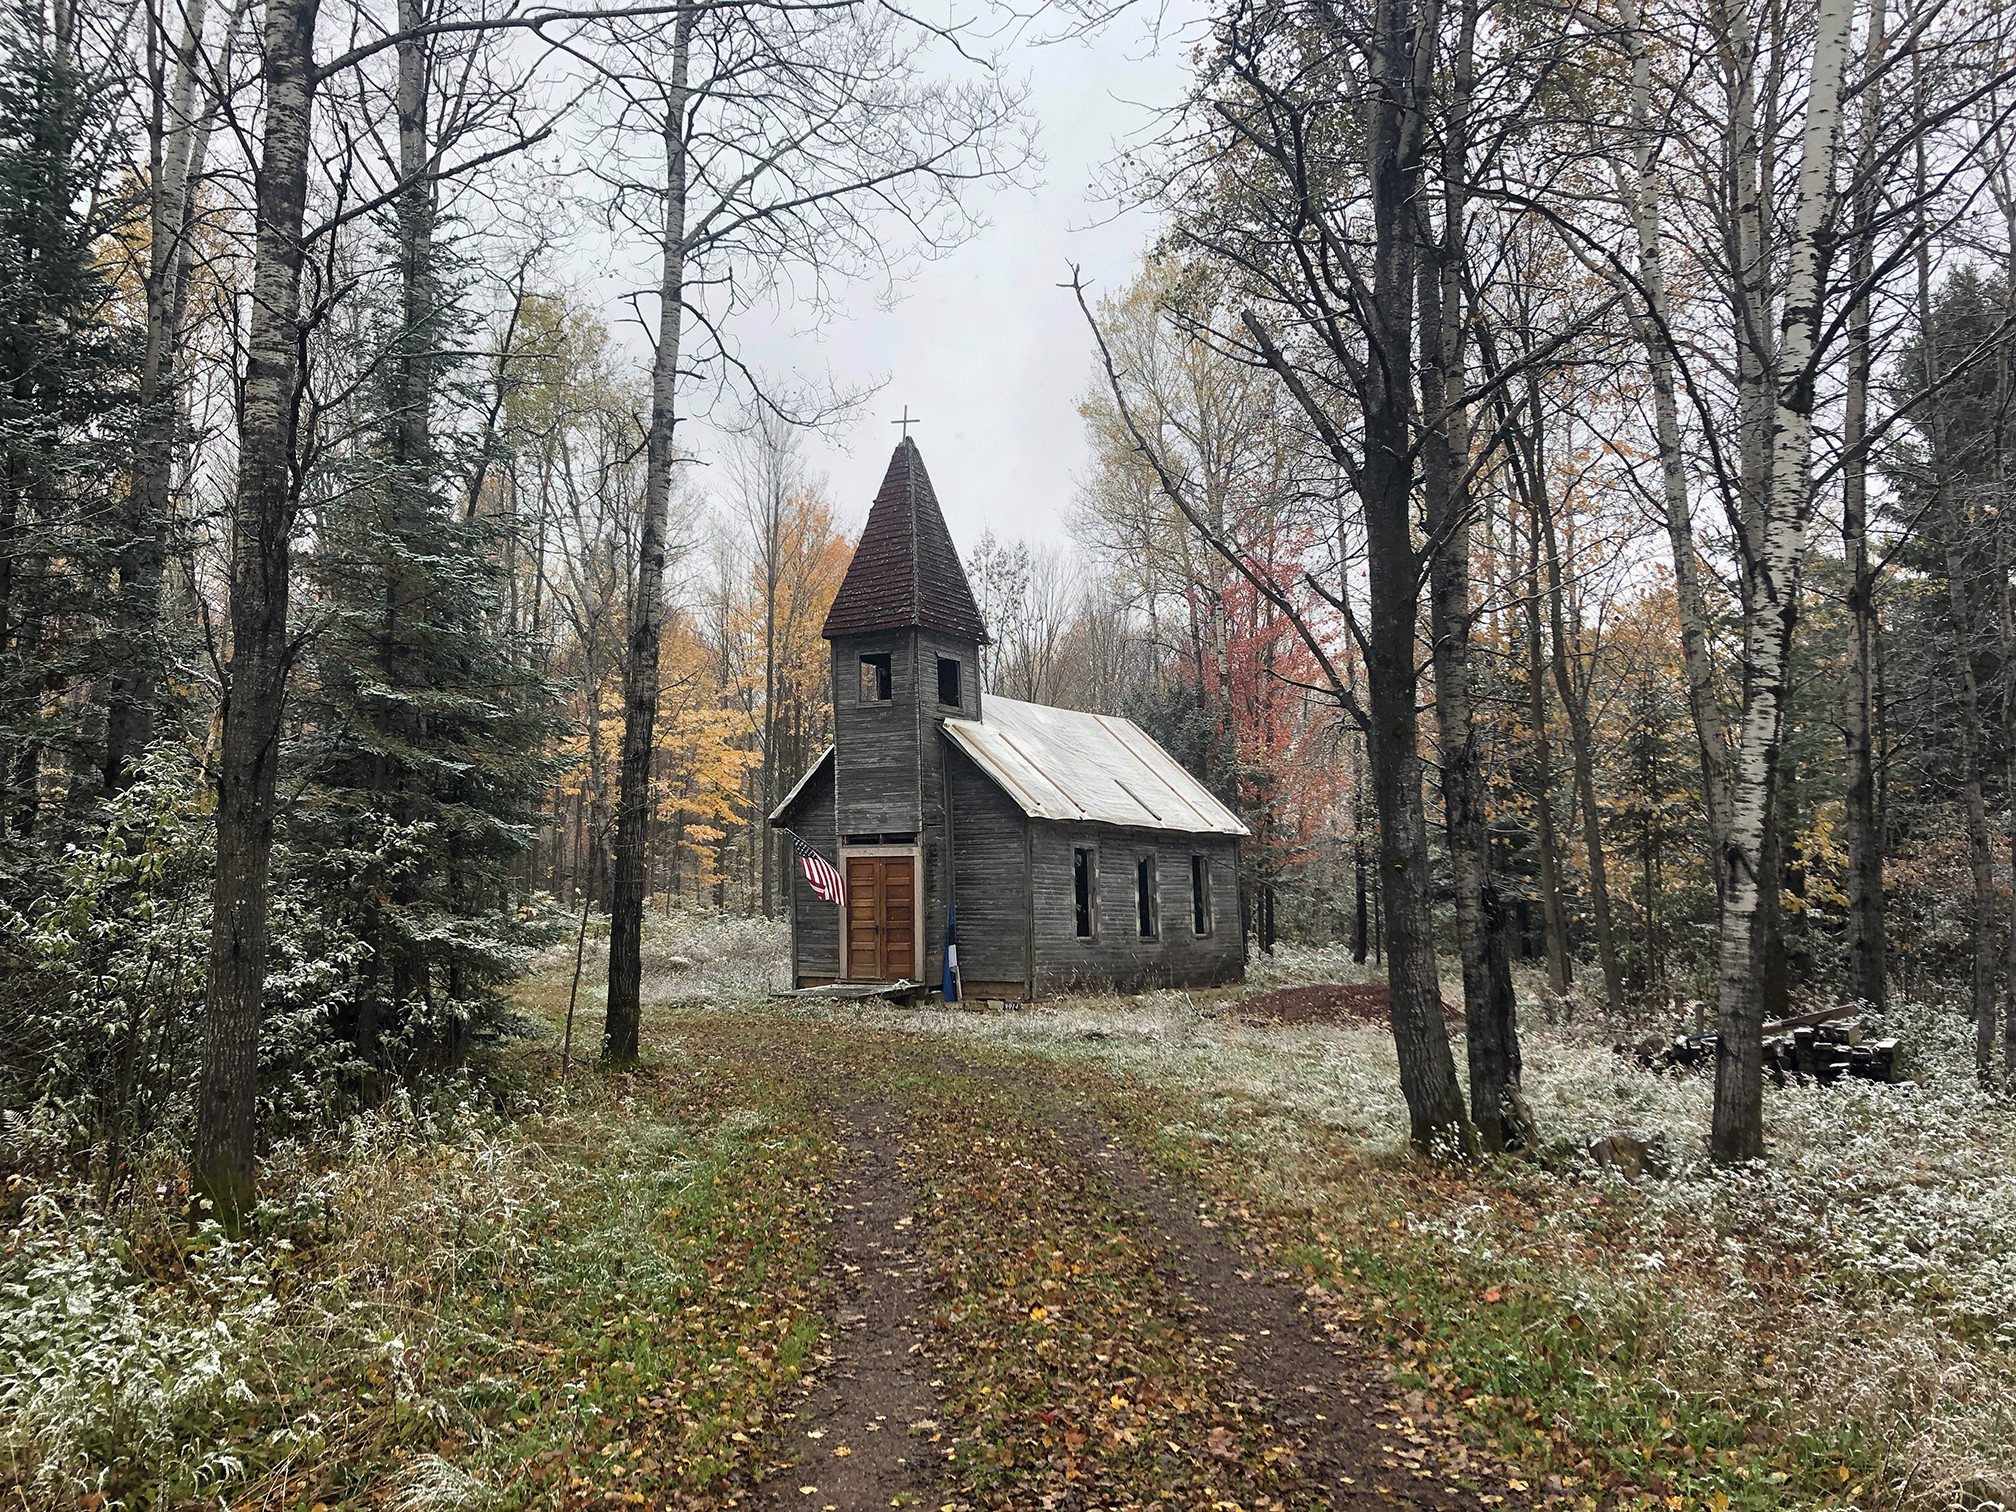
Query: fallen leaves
[[1118, 1398]]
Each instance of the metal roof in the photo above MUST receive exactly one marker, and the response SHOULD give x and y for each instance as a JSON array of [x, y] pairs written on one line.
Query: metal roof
[[1091, 768]]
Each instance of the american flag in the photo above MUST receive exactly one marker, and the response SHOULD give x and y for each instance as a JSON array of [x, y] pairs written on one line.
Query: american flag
[[826, 882]]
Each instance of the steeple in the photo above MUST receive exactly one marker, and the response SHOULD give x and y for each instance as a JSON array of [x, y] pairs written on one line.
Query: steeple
[[905, 570]]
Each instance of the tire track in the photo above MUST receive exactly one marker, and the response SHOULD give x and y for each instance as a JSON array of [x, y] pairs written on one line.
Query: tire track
[[854, 1431]]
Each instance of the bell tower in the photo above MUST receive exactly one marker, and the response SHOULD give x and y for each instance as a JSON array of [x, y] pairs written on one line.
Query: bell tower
[[906, 637]]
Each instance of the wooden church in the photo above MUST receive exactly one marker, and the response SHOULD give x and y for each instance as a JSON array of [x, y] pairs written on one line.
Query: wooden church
[[1074, 850]]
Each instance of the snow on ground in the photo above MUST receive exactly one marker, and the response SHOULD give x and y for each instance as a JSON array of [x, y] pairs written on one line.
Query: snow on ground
[[1871, 1261]]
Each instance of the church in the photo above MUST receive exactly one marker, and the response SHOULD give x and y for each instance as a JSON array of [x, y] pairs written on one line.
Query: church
[[1073, 852]]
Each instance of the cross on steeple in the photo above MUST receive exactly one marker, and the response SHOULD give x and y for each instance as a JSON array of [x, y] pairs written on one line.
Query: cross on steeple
[[906, 422]]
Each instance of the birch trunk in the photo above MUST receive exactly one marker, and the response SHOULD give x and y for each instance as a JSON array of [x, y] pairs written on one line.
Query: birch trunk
[[179, 141], [1778, 552], [1657, 331], [640, 672], [1750, 286], [262, 519]]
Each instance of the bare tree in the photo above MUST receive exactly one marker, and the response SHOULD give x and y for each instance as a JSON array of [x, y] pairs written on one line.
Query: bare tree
[[1030, 598], [1866, 944], [768, 471], [1329, 248], [182, 105], [793, 146]]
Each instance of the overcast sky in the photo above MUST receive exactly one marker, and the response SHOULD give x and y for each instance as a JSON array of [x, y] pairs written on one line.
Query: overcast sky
[[985, 348]]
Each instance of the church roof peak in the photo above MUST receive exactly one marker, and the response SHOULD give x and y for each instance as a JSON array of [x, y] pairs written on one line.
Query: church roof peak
[[905, 570]]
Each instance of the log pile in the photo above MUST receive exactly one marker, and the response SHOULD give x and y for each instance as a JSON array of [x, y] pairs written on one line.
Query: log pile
[[1825, 1047]]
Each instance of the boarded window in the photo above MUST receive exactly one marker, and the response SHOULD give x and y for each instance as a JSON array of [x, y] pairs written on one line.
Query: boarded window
[[1081, 888], [948, 682], [1200, 895], [1144, 895], [875, 685]]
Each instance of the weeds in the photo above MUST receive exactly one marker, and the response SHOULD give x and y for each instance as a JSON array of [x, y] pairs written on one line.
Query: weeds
[[609, 1291]]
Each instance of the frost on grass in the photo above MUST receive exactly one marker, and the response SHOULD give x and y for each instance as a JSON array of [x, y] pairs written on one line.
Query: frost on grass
[[99, 1372], [432, 1484], [698, 959], [691, 958], [1862, 1282], [126, 1372]]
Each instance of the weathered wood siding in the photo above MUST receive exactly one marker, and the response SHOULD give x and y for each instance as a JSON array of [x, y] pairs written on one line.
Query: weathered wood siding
[[890, 768], [925, 649], [815, 923], [1117, 955], [894, 774], [991, 881], [876, 744]]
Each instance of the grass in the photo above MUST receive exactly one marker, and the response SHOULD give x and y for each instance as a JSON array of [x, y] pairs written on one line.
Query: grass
[[609, 1292], [1834, 1329], [615, 1292]]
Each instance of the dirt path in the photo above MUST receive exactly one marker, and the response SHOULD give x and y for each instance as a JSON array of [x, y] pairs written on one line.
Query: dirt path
[[1357, 1440], [853, 1433], [1332, 1397]]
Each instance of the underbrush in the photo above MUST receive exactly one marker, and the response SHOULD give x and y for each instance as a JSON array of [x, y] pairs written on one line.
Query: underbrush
[[1836, 1327], [609, 1293]]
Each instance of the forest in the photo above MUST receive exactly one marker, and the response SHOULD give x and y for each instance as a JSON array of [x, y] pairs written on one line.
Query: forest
[[1546, 476]]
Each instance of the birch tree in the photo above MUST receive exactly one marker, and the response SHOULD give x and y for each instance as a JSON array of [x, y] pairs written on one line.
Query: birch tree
[[1652, 315], [183, 101], [1774, 554]]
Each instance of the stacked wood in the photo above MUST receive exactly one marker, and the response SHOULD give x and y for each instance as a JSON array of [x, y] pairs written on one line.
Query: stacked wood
[[1826, 1046], [1827, 1053]]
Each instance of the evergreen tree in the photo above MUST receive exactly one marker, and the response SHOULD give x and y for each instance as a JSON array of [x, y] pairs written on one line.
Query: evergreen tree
[[1956, 643], [68, 364], [422, 748]]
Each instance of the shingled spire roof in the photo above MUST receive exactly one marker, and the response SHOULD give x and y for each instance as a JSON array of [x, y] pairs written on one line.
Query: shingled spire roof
[[905, 570]]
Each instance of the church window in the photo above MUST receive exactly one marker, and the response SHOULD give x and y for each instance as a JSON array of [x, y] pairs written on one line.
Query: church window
[[948, 682], [1144, 895], [1082, 875], [875, 681], [1200, 896]]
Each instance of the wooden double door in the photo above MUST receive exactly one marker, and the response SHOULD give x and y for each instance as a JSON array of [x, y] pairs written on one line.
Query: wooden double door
[[881, 918]]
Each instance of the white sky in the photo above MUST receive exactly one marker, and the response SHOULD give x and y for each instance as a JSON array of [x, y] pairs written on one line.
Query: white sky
[[985, 348]]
